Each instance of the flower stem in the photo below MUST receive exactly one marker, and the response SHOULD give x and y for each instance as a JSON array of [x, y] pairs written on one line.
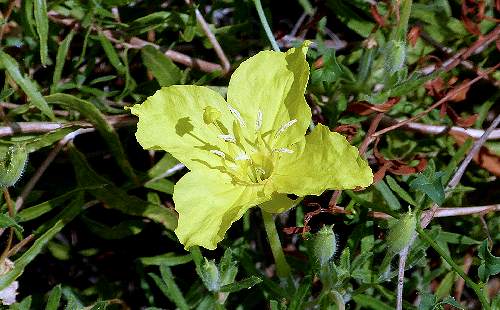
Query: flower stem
[[282, 267], [264, 23], [476, 287]]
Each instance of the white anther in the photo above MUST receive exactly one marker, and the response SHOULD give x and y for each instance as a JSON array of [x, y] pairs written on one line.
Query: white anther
[[218, 153], [237, 115], [283, 150], [228, 138], [258, 122], [260, 170], [285, 127], [242, 156]]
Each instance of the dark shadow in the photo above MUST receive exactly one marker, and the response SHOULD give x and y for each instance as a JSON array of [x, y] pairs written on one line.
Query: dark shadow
[[183, 126]]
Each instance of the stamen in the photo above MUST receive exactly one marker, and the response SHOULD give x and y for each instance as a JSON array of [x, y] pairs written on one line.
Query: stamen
[[228, 138], [283, 150], [242, 156], [218, 153], [260, 170], [258, 122], [237, 115], [285, 127]]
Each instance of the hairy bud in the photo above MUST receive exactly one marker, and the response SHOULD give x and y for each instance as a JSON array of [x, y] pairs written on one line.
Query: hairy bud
[[12, 165], [210, 275], [401, 232], [324, 245], [395, 56]]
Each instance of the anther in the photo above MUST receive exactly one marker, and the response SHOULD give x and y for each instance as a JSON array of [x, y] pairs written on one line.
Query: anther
[[258, 122], [228, 138], [236, 115], [242, 156], [218, 153], [283, 150], [285, 127], [260, 170]]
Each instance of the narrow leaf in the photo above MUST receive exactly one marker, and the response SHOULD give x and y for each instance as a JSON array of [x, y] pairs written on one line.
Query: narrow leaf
[[117, 198], [62, 52], [163, 69], [389, 197], [26, 84], [42, 28], [105, 129], [54, 298], [240, 285]]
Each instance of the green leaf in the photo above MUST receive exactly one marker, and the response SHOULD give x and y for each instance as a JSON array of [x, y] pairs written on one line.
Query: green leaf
[[117, 198], [490, 264], [33, 212], [430, 183], [54, 298], [389, 197], [168, 259], [168, 286], [113, 57], [26, 84], [452, 302], [7, 221], [122, 230], [445, 286], [240, 285], [62, 52], [297, 301], [393, 184], [161, 185], [42, 28], [105, 129], [163, 69], [370, 302]]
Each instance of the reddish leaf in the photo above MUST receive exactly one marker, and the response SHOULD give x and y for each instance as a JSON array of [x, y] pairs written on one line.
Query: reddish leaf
[[471, 10], [364, 108], [349, 131], [461, 121], [413, 35], [376, 16], [396, 166]]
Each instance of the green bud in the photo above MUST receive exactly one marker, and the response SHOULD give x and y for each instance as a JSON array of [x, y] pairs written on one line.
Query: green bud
[[401, 232], [395, 55], [324, 245], [210, 275], [210, 115], [12, 165]]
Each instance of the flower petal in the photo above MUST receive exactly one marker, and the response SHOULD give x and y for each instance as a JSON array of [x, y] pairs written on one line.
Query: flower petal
[[172, 120], [208, 202], [279, 203], [268, 91], [323, 160]]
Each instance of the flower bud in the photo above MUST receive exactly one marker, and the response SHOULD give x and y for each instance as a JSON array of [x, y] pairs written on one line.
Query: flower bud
[[395, 55], [324, 245], [12, 165], [210, 275], [401, 232]]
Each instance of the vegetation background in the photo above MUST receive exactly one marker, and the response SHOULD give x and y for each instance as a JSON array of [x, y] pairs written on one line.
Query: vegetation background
[[88, 224]]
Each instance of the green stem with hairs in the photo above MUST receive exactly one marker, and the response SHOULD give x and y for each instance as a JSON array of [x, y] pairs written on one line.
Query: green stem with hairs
[[282, 267], [478, 289], [265, 24]]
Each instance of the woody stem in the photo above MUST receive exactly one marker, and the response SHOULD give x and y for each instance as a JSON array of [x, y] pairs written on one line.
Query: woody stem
[[282, 267]]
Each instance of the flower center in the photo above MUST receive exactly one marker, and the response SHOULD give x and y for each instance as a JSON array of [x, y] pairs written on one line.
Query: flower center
[[247, 161]]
